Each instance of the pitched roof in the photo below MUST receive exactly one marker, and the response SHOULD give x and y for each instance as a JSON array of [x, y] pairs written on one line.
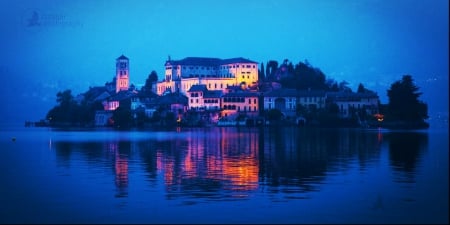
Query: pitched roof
[[197, 61], [122, 57], [121, 95], [242, 94], [198, 87], [350, 96], [286, 92], [236, 60], [213, 94], [172, 98], [204, 61]]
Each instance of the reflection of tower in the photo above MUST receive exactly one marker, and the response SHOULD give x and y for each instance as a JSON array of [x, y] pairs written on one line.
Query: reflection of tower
[[122, 73], [121, 171]]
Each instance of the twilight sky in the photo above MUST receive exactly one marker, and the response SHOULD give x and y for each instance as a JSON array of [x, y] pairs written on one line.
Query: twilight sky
[[76, 43]]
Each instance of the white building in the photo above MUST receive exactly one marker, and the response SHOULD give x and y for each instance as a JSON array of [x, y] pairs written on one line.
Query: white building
[[216, 74]]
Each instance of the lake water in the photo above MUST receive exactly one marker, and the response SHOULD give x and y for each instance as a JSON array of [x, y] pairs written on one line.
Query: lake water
[[224, 175]]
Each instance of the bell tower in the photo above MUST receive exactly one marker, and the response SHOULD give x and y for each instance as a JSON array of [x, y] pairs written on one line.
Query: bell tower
[[122, 73]]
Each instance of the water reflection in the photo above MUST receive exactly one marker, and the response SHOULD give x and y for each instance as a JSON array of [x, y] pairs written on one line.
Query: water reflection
[[405, 150], [228, 163], [302, 158]]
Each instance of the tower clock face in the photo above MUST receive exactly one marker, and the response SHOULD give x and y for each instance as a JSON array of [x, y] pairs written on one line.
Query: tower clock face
[[123, 65]]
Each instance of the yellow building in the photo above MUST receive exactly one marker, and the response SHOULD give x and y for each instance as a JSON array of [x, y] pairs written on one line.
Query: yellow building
[[216, 74]]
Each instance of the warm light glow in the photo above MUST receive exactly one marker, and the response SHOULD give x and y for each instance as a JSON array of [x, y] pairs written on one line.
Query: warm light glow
[[380, 117]]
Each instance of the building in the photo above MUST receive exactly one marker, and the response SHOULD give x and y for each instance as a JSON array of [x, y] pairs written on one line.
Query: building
[[349, 102], [215, 73], [201, 99], [286, 100], [243, 103], [122, 74]]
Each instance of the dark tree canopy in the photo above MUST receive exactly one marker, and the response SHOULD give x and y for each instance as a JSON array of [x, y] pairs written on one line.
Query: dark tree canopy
[[404, 103], [66, 110], [152, 78], [261, 73], [361, 88], [303, 76]]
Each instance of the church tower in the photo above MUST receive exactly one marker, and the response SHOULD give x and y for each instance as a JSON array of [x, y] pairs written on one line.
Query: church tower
[[122, 73]]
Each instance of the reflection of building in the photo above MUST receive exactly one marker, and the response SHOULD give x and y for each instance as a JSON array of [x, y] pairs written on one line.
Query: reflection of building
[[228, 159], [120, 167], [121, 170]]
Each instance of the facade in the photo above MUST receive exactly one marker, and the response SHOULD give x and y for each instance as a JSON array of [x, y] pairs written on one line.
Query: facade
[[103, 118], [234, 104], [122, 74], [286, 100], [348, 102], [200, 98], [216, 74]]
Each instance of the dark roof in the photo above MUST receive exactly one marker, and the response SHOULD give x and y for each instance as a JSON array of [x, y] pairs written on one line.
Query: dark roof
[[197, 61], [350, 96], [198, 87], [121, 95], [204, 61], [241, 94], [146, 94], [234, 87], [285, 92], [213, 94], [122, 57], [172, 98], [236, 60]]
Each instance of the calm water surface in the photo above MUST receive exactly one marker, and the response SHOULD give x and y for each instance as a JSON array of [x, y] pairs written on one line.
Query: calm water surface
[[224, 175]]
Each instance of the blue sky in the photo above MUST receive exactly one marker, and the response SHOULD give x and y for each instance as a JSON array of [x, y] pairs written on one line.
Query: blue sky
[[374, 42]]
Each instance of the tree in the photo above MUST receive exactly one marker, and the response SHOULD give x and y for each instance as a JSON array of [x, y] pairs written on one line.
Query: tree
[[361, 88], [274, 115], [343, 86], [152, 78], [404, 103], [67, 109], [272, 67], [122, 117], [261, 74]]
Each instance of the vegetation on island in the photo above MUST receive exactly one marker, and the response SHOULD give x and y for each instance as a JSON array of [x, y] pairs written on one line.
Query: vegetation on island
[[404, 109]]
